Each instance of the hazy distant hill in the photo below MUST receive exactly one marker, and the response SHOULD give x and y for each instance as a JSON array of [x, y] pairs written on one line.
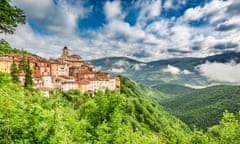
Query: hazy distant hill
[[159, 72]]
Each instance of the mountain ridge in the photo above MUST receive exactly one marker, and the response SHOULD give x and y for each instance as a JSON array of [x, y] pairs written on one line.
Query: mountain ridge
[[183, 71]]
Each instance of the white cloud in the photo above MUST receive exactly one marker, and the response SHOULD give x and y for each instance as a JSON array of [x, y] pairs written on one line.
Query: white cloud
[[112, 9], [54, 18], [172, 69], [117, 70], [119, 38], [137, 67], [168, 4], [186, 72], [215, 9], [45, 46], [121, 63], [118, 28], [225, 72], [175, 70], [159, 27], [149, 10], [180, 36]]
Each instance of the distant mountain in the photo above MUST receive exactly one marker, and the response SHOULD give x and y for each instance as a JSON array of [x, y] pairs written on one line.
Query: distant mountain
[[203, 108], [181, 71], [118, 65]]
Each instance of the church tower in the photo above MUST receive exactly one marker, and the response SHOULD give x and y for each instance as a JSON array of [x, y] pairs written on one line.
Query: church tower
[[65, 52]]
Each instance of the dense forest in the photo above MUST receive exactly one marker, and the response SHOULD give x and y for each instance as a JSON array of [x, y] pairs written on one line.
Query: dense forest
[[27, 116], [203, 108]]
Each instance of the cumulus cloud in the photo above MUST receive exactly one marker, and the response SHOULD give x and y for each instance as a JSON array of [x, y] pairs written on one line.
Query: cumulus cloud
[[212, 10], [234, 7], [225, 27], [121, 63], [59, 17], [229, 25], [152, 37], [119, 29], [224, 72], [173, 4], [137, 67], [168, 4], [117, 70], [175, 70], [112, 9], [186, 72], [149, 10], [172, 69], [181, 35], [160, 28], [227, 45]]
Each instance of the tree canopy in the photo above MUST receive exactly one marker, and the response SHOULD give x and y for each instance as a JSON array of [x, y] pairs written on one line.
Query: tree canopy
[[10, 17], [14, 72], [28, 75]]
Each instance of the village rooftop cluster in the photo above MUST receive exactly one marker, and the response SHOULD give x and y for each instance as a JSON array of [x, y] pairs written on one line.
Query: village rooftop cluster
[[65, 73]]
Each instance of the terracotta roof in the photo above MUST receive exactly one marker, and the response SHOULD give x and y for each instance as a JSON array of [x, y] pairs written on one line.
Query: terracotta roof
[[66, 77], [83, 82], [68, 82], [75, 56]]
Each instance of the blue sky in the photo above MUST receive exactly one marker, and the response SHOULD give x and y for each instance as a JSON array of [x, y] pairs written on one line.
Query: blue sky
[[142, 29]]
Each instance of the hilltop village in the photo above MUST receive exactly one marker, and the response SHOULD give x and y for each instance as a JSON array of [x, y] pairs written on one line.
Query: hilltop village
[[65, 73]]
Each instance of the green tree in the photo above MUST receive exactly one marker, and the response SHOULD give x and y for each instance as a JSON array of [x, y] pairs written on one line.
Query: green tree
[[14, 72], [11, 17], [23, 64], [28, 75], [5, 48]]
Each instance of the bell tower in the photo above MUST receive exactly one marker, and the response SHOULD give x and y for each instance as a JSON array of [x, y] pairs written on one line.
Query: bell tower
[[65, 52]]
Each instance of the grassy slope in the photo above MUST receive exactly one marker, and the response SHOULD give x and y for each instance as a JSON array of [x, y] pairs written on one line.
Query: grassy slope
[[203, 108]]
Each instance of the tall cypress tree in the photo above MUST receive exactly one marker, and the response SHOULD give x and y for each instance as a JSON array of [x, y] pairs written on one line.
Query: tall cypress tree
[[23, 64], [28, 75], [14, 72]]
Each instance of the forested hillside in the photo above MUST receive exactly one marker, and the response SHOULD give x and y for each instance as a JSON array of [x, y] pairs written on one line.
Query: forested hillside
[[173, 89], [203, 108], [29, 117]]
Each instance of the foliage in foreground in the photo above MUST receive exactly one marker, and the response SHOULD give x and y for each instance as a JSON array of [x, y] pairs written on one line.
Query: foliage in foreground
[[28, 117], [11, 17]]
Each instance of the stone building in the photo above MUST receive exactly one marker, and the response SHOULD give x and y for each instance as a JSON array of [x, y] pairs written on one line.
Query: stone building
[[65, 73]]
